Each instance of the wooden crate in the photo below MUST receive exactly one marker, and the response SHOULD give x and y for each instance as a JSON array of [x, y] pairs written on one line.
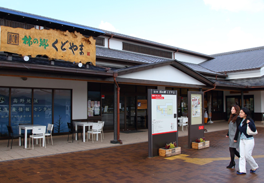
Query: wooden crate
[[200, 145], [169, 152]]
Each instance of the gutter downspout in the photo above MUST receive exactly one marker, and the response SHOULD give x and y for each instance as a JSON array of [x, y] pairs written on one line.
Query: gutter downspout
[[213, 85], [109, 40], [117, 108], [210, 89]]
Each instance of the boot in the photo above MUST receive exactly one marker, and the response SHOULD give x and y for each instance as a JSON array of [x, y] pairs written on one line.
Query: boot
[[231, 165]]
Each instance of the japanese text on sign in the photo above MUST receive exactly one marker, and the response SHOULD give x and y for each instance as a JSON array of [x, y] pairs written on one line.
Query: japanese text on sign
[[55, 44]]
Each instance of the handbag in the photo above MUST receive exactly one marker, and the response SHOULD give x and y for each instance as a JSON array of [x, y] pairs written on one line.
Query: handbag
[[250, 132]]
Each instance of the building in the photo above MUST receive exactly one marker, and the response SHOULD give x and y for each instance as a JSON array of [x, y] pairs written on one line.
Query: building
[[43, 90]]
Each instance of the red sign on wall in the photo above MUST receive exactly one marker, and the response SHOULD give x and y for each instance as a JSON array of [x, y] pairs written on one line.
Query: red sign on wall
[[156, 96], [201, 127]]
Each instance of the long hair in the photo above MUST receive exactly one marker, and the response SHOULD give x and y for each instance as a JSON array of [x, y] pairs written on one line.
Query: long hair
[[234, 117]]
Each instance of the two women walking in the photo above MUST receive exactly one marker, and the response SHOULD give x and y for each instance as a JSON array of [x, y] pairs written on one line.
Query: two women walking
[[238, 137]]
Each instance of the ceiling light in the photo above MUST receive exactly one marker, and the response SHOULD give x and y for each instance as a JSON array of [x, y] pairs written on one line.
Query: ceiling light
[[26, 58], [80, 64]]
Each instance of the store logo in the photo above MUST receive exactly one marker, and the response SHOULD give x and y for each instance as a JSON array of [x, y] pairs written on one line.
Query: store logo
[[12, 38], [2, 100]]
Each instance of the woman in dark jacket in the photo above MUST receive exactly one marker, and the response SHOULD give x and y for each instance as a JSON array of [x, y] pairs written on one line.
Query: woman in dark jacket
[[247, 143], [233, 123]]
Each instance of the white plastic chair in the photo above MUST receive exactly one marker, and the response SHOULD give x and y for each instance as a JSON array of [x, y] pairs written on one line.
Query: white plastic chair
[[49, 132], [183, 121], [96, 129], [38, 133], [102, 122]]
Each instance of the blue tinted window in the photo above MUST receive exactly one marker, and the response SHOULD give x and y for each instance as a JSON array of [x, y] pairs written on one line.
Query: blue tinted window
[[21, 102], [62, 110], [4, 111], [42, 110]]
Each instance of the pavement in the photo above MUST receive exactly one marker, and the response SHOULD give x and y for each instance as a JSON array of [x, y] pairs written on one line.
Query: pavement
[[130, 163]]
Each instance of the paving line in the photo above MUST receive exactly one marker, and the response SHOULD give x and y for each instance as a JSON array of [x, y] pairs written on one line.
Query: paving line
[[202, 161]]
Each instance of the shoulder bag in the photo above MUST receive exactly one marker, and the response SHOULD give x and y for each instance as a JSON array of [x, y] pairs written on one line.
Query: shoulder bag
[[250, 132]]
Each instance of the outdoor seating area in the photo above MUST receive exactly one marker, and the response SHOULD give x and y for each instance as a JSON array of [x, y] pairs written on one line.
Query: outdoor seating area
[[35, 132]]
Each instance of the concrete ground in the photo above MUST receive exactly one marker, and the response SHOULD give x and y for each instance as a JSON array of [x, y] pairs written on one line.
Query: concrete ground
[[130, 162], [61, 145]]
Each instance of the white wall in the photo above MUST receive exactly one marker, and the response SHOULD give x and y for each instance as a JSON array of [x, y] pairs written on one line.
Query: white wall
[[262, 100], [79, 90], [163, 74], [189, 58], [116, 44], [245, 74]]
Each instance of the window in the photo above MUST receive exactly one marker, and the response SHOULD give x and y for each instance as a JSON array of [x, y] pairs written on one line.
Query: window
[[62, 110], [94, 100], [21, 107], [42, 106], [15, 24], [34, 106], [4, 111], [100, 41], [146, 50], [108, 111]]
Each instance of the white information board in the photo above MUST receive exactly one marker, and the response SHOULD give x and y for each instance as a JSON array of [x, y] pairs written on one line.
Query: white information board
[[164, 112]]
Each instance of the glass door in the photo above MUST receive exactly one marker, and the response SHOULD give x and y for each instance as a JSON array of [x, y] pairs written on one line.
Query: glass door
[[130, 113], [232, 100], [128, 109]]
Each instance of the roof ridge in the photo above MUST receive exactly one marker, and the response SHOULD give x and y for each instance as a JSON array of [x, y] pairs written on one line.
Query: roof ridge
[[238, 51]]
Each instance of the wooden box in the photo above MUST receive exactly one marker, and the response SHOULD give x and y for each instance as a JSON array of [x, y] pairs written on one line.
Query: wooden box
[[200, 145], [169, 152]]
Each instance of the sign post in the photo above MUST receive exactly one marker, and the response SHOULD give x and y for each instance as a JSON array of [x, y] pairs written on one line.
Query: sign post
[[162, 120], [195, 116]]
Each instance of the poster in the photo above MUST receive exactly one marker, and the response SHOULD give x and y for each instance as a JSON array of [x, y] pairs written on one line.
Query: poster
[[196, 109], [164, 110], [96, 111], [90, 112], [196, 106], [89, 103], [106, 109]]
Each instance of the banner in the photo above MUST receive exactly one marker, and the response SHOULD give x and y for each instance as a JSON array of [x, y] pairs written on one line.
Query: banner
[[54, 44]]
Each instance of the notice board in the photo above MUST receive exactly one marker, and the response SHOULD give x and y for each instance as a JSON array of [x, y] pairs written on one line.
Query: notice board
[[195, 116], [162, 120]]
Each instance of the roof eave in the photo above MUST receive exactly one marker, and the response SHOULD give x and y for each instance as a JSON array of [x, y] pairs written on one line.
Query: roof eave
[[38, 67]]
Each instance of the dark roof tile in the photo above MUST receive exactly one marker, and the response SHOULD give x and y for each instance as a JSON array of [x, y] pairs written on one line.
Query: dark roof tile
[[123, 55], [236, 60]]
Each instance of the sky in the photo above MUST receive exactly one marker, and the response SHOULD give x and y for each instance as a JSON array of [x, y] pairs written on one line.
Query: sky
[[205, 26]]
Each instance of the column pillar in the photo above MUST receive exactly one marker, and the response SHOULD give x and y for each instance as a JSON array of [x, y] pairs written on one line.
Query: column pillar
[[115, 141]]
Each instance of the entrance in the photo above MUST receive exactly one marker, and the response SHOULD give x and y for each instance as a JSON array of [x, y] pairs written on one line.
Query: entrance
[[127, 109], [248, 103]]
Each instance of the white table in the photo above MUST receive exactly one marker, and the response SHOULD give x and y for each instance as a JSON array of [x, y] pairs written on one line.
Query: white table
[[26, 128], [83, 124]]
